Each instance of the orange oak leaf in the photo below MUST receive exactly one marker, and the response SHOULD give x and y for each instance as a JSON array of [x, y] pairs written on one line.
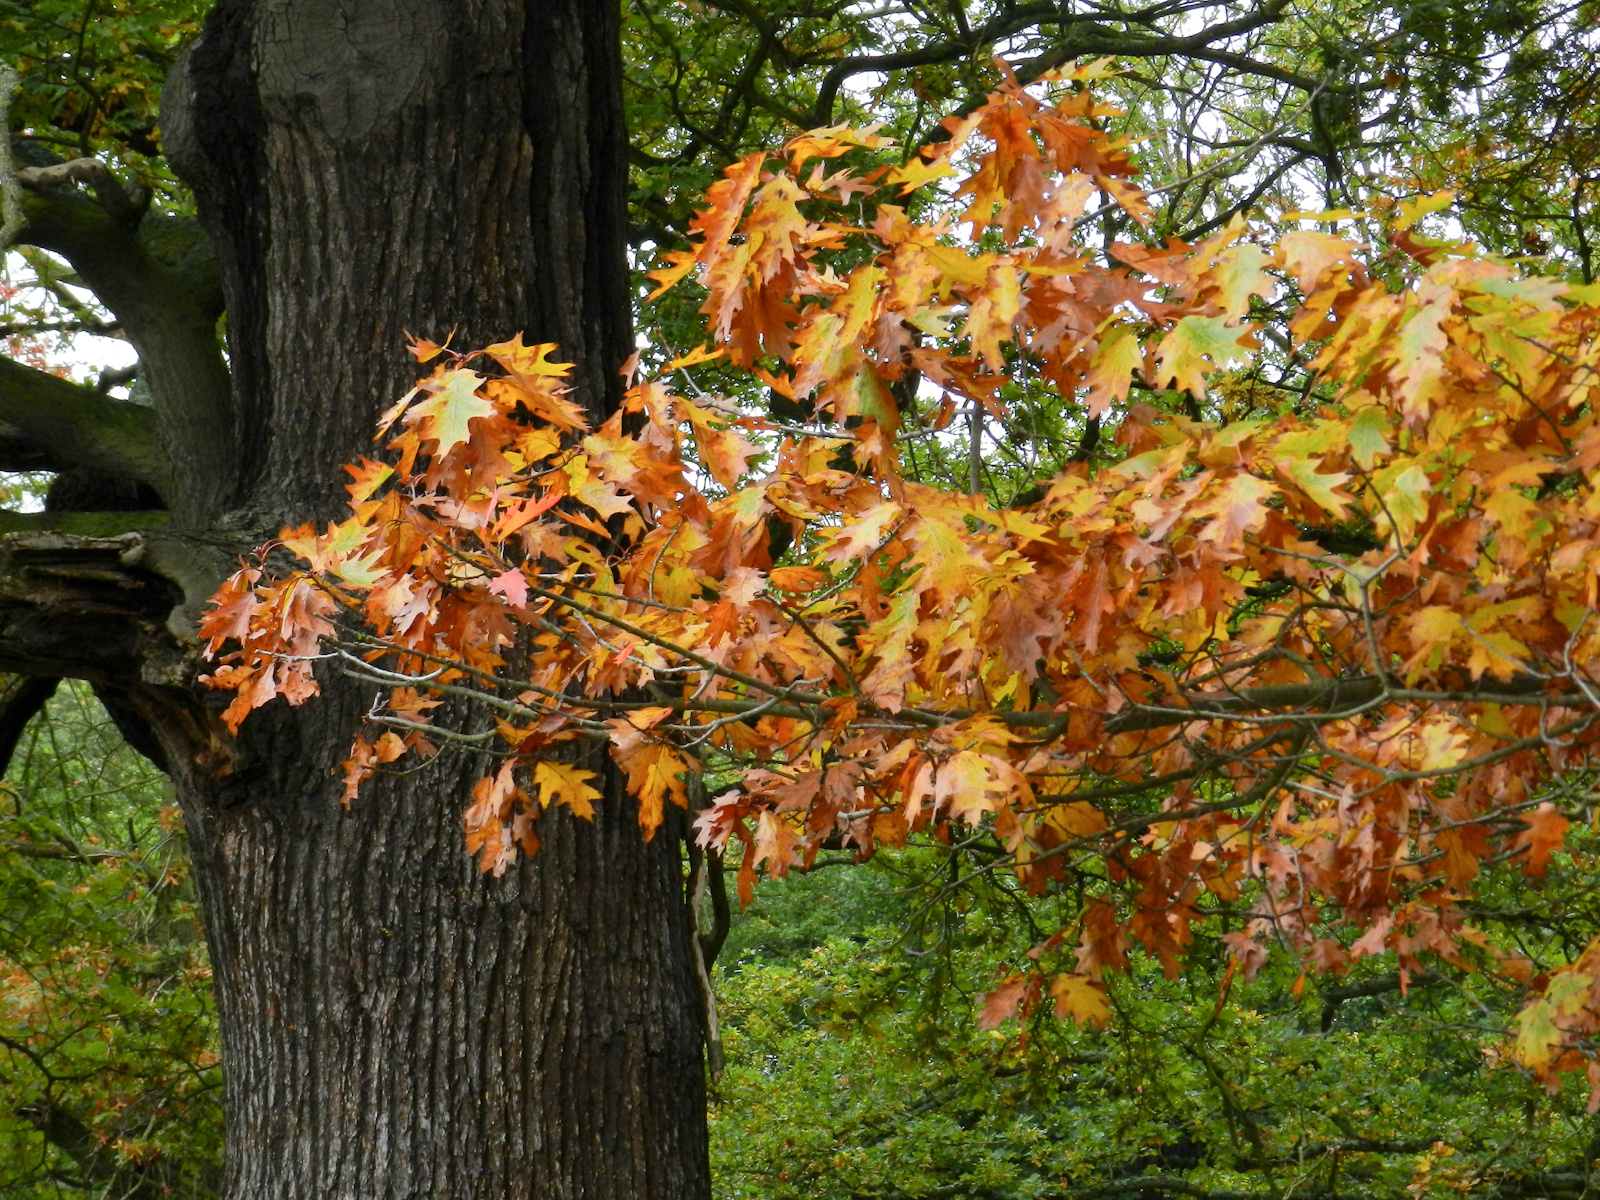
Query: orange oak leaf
[[1002, 1003], [1546, 829]]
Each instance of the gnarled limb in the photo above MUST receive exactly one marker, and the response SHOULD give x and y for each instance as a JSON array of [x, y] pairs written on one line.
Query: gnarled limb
[[78, 426], [159, 277]]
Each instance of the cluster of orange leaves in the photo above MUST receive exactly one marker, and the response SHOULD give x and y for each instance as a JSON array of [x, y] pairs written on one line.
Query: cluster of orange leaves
[[1157, 679]]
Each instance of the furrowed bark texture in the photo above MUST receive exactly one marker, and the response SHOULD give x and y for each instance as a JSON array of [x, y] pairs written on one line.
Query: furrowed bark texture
[[395, 1025]]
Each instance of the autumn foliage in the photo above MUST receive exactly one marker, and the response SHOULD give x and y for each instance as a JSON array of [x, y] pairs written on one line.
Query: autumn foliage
[[1324, 665]]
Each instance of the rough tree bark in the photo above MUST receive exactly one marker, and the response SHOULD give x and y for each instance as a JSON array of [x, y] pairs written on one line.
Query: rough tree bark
[[394, 1025]]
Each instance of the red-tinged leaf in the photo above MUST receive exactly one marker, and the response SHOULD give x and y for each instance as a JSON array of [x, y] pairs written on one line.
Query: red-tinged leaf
[[725, 453], [654, 771], [1002, 1003], [233, 609], [522, 831], [367, 478], [513, 585], [253, 687], [797, 579], [409, 704], [1546, 830], [488, 821], [1104, 943], [1310, 256], [1246, 952], [832, 141], [357, 768], [843, 183], [1132, 200], [1235, 505], [516, 515], [776, 838], [1460, 860], [722, 622], [716, 223], [747, 876], [424, 350], [649, 717], [389, 747], [1375, 940]]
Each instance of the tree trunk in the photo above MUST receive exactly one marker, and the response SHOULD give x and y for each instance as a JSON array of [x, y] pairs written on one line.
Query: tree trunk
[[394, 1024]]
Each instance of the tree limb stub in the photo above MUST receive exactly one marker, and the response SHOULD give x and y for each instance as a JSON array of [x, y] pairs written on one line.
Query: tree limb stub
[[87, 607], [81, 427], [117, 610], [124, 203]]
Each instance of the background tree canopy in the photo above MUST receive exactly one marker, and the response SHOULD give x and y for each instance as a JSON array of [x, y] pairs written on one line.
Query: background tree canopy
[[855, 1064]]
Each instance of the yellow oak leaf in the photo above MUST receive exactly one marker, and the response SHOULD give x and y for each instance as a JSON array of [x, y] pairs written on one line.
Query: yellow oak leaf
[[1081, 999], [566, 784]]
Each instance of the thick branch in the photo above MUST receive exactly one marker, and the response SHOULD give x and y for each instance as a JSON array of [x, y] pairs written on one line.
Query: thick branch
[[19, 452], [160, 278], [1328, 699], [80, 426]]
